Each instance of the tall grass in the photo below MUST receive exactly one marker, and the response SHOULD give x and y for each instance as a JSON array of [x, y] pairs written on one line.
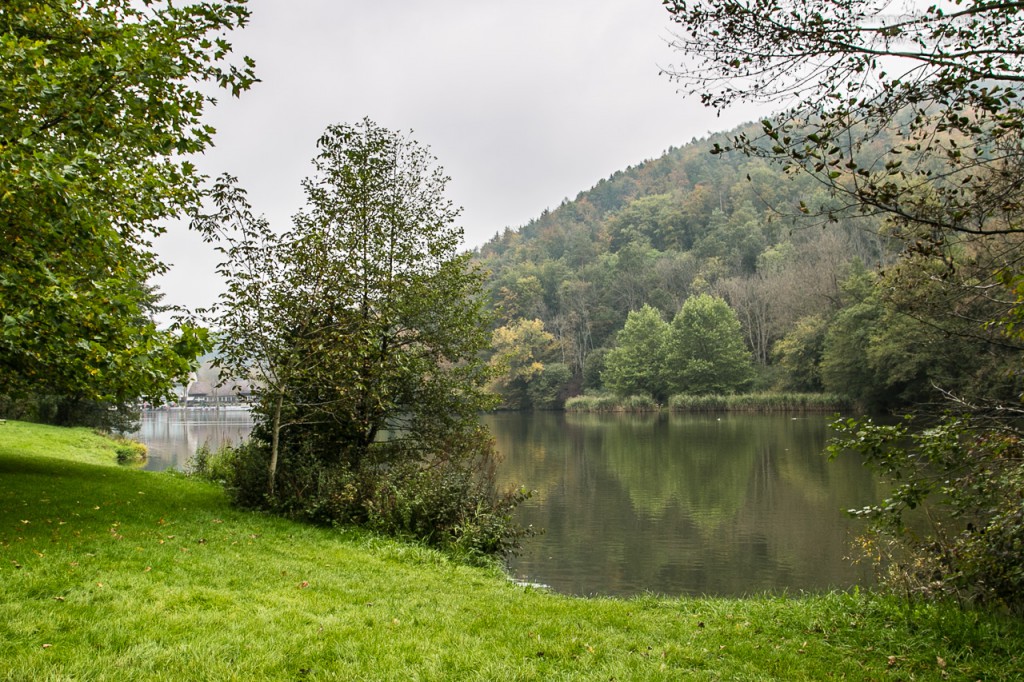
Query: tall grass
[[747, 402], [759, 402], [606, 402]]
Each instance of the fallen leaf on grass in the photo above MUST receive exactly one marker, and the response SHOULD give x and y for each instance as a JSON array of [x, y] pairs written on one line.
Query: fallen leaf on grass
[[940, 661], [47, 646]]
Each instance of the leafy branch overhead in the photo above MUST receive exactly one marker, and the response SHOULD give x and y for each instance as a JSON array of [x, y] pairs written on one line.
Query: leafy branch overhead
[[910, 114], [944, 78], [101, 105]]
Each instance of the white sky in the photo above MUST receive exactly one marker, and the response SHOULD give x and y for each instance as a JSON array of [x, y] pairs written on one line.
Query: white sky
[[523, 102]]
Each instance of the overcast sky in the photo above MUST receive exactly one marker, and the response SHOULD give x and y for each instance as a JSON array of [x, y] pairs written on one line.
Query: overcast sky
[[523, 102]]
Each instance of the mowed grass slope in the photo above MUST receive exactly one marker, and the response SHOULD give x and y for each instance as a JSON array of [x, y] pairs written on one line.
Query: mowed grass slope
[[109, 573]]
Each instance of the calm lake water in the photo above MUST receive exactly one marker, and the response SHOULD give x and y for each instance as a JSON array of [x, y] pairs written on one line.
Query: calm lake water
[[173, 435], [663, 503]]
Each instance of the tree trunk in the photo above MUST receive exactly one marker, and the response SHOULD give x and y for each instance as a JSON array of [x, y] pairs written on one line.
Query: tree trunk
[[275, 439]]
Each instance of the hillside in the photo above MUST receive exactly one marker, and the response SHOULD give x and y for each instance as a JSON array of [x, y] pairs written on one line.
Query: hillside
[[728, 225]]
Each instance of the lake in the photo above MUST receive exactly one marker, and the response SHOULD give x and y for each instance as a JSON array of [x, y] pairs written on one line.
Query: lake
[[674, 504], [172, 435]]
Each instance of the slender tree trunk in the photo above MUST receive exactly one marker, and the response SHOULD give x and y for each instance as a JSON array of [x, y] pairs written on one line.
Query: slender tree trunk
[[275, 439]]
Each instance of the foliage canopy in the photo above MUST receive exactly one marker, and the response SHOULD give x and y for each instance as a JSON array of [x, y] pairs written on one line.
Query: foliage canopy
[[364, 327], [705, 352], [100, 106], [912, 116]]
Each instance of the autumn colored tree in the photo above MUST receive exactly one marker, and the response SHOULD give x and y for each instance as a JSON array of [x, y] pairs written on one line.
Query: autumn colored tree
[[521, 352]]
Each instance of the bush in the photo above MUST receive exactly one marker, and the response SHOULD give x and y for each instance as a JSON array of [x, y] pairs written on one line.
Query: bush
[[759, 402], [448, 500], [130, 451], [684, 402], [968, 480], [215, 465]]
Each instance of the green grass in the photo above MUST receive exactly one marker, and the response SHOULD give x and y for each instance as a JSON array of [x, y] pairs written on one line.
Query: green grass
[[109, 573], [75, 445]]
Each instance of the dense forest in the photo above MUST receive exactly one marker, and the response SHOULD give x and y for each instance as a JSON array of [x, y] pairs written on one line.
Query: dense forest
[[814, 289]]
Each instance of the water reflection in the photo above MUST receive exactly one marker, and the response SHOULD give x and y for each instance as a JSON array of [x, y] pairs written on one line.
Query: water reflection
[[173, 435], [682, 504], [673, 504]]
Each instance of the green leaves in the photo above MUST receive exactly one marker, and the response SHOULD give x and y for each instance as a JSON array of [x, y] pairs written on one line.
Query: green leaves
[[364, 329], [99, 99], [637, 363], [706, 352]]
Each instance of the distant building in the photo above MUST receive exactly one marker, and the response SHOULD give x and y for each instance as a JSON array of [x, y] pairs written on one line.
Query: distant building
[[209, 394], [205, 389]]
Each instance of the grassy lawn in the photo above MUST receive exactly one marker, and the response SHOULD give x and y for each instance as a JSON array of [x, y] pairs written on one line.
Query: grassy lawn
[[109, 573]]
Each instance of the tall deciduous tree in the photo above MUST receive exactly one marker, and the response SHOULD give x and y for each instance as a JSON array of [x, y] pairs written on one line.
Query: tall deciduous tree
[[259, 322], [521, 351], [636, 365], [397, 308], [706, 353], [363, 319], [100, 105]]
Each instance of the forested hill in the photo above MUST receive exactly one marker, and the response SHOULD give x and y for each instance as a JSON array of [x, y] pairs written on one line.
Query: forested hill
[[687, 223]]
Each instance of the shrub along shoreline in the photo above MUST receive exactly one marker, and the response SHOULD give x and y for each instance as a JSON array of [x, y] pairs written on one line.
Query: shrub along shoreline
[[740, 402], [112, 573]]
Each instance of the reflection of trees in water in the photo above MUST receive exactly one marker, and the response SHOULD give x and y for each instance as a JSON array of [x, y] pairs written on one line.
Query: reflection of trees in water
[[681, 503], [172, 436], [700, 465]]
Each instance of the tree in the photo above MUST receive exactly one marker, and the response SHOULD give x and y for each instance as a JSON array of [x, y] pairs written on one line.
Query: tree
[[521, 351], [636, 365], [259, 322], [375, 254], [913, 118], [102, 104], [549, 390], [370, 346], [705, 352], [799, 353]]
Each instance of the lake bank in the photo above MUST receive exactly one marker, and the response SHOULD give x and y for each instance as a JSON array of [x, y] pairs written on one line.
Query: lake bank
[[117, 574], [667, 503]]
